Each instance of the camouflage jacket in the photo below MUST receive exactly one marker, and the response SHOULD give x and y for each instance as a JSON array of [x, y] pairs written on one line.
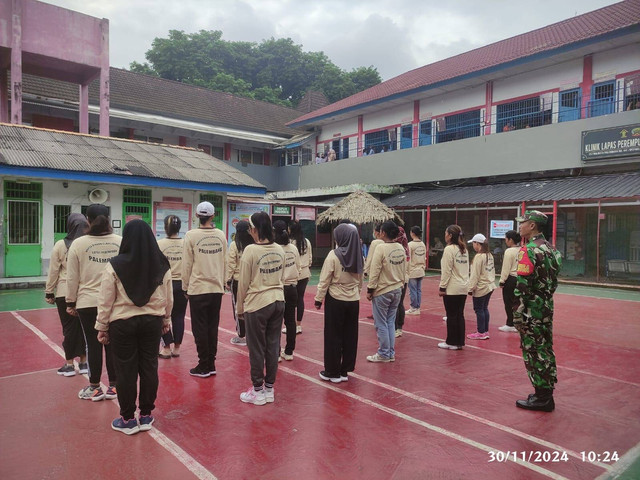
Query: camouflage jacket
[[538, 267]]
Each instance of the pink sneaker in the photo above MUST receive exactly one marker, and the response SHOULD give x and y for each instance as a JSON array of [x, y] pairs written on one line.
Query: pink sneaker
[[478, 336]]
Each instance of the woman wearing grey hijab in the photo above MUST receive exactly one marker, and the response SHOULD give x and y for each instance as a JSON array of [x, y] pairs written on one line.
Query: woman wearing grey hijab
[[339, 286], [73, 340]]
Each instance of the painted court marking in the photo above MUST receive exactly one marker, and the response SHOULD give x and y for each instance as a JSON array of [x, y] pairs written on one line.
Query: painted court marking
[[446, 408], [183, 457]]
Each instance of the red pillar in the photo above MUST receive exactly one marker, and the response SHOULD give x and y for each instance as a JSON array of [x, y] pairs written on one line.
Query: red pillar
[[131, 132], [555, 223], [587, 83], [182, 141], [266, 156], [227, 151], [83, 119], [16, 63]]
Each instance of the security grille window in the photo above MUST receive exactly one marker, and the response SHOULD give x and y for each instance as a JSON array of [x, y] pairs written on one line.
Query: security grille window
[[376, 142], [217, 152], [603, 99], [18, 190], [459, 126], [258, 158], [522, 114], [569, 105], [216, 201], [292, 157], [307, 156], [60, 215], [23, 221], [136, 203], [406, 132], [425, 133], [345, 148], [134, 195]]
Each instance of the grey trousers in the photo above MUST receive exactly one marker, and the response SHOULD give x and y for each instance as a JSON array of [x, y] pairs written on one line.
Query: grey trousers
[[263, 341]]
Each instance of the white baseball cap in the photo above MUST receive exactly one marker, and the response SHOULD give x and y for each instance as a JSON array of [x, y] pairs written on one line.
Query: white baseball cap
[[479, 238], [205, 209]]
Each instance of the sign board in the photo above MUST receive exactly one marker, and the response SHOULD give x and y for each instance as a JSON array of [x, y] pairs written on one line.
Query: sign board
[[611, 142], [242, 211], [305, 213], [498, 228], [281, 210], [162, 209]]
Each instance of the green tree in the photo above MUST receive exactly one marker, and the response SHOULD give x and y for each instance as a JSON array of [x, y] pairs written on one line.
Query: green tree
[[276, 70]]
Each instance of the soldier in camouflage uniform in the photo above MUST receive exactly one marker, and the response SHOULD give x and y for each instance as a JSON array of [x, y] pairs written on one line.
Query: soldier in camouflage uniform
[[538, 267]]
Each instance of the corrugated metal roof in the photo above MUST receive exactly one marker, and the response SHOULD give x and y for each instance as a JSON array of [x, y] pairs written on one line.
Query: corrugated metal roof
[[22, 146], [580, 28], [559, 189]]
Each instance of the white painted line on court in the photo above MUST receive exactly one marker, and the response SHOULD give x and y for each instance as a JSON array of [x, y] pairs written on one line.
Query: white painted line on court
[[48, 370], [183, 457], [623, 464], [403, 416], [453, 410]]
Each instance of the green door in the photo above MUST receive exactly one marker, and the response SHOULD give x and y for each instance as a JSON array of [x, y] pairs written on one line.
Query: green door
[[136, 204], [23, 229], [216, 201]]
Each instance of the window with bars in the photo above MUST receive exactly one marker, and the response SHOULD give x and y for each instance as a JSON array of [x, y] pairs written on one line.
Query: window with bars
[[216, 201], [136, 203], [20, 190], [60, 215], [136, 195], [376, 142], [425, 133], [524, 113], [406, 134], [459, 126], [603, 99], [23, 222]]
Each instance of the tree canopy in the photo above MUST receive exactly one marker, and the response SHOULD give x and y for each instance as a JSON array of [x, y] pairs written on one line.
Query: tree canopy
[[275, 70]]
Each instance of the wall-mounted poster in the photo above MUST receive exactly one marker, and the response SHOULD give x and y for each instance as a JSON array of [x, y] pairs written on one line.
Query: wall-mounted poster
[[305, 213], [242, 211], [162, 209], [500, 227]]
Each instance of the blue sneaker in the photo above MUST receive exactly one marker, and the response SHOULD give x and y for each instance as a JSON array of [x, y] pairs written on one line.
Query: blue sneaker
[[145, 422], [128, 427]]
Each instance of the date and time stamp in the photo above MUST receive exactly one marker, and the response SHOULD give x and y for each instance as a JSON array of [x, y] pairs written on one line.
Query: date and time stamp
[[551, 456]]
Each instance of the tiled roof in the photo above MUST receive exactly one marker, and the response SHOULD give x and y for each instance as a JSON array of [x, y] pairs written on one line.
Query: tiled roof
[[559, 189], [549, 38], [147, 94], [38, 148]]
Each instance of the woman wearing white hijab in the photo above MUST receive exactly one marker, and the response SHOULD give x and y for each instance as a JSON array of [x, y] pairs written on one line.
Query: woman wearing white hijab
[[340, 284]]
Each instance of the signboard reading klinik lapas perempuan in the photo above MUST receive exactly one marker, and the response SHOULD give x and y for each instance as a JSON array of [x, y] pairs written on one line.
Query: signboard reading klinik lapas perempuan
[[500, 227], [611, 142]]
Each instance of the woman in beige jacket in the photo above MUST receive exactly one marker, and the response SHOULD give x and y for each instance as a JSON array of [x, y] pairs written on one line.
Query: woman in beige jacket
[[482, 283], [134, 310], [454, 281]]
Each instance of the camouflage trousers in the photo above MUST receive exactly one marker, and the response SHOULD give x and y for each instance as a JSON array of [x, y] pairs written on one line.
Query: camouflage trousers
[[536, 341]]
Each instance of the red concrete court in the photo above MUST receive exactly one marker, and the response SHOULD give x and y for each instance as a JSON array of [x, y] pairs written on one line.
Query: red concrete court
[[432, 414]]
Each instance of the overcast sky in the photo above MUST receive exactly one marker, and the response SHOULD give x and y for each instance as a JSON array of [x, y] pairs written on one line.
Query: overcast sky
[[393, 35]]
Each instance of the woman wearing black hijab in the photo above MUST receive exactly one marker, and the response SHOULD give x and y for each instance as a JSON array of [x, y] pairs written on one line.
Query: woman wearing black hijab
[[73, 340], [134, 310], [340, 284]]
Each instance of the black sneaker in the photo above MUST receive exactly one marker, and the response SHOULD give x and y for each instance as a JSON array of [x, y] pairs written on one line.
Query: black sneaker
[[200, 372], [83, 368], [67, 370], [323, 375]]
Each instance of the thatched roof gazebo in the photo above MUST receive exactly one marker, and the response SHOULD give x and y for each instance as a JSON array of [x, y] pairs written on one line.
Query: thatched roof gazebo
[[359, 208]]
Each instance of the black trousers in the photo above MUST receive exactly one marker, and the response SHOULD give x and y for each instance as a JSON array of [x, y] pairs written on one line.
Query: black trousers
[[134, 342], [240, 328], [205, 318], [509, 298], [454, 306], [263, 342], [340, 336], [94, 347], [176, 334], [73, 340], [401, 311], [301, 287], [290, 302]]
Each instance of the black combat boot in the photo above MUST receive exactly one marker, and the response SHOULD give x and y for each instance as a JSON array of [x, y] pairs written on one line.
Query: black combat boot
[[542, 401]]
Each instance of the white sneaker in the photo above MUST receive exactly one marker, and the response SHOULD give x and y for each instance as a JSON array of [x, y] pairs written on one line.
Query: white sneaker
[[413, 311], [286, 357], [377, 358], [507, 328], [284, 329], [239, 341], [398, 333], [299, 329], [444, 319], [269, 395], [446, 346], [253, 396]]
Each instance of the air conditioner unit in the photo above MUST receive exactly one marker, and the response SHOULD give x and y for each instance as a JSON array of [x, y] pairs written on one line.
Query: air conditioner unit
[[97, 195]]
